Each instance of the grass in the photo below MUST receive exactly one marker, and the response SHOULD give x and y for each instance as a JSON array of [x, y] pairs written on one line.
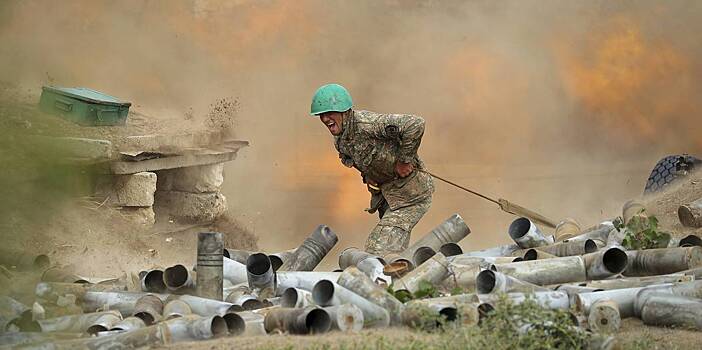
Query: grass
[[508, 327]]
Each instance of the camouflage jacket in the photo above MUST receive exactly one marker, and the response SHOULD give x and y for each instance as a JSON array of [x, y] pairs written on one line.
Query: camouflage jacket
[[373, 143]]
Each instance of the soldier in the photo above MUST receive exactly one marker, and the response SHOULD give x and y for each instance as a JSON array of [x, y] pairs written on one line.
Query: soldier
[[383, 147]]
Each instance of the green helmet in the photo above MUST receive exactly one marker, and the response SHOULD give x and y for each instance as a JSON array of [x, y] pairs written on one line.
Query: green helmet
[[331, 98]]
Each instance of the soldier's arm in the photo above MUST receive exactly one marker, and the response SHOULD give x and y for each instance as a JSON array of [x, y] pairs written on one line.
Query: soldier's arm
[[345, 160], [406, 129]]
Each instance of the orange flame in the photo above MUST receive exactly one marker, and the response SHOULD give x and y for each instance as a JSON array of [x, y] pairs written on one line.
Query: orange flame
[[627, 81]]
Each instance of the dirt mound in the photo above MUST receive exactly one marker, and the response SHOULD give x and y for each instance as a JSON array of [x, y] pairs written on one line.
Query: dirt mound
[[664, 205], [103, 243]]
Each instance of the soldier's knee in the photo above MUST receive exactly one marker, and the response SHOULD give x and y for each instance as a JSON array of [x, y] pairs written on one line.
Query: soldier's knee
[[387, 239]]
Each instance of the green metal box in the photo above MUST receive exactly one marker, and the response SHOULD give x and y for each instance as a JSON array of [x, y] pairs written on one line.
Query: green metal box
[[84, 106]]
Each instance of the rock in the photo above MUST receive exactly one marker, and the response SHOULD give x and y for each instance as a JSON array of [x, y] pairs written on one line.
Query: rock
[[690, 214], [186, 207], [142, 216], [196, 179], [136, 190]]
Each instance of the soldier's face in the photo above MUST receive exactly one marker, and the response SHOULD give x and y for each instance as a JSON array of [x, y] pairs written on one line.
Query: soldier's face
[[333, 122]]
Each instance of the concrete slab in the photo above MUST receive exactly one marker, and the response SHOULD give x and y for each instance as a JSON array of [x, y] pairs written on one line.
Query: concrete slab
[[76, 148], [192, 157], [171, 143]]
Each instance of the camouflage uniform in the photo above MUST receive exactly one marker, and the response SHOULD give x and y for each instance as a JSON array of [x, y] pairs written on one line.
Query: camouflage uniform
[[373, 143]]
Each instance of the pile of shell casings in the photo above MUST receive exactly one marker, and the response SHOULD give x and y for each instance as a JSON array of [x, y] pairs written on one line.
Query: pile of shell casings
[[233, 293]]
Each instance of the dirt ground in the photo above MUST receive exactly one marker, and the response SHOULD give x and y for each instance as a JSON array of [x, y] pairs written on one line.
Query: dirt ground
[[633, 335], [114, 247], [665, 204]]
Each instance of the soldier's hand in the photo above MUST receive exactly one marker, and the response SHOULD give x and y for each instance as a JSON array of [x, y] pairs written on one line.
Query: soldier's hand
[[404, 169]]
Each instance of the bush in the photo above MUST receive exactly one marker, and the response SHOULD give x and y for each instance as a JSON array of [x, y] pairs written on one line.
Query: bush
[[641, 232], [509, 326], [529, 326]]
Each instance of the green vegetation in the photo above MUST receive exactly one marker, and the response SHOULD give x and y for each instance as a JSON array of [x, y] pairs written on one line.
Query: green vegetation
[[425, 290], [641, 232], [530, 326], [641, 343]]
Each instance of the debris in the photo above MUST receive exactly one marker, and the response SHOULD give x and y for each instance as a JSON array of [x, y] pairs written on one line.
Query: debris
[[209, 277], [666, 310], [604, 317], [149, 309], [312, 250], [462, 289]]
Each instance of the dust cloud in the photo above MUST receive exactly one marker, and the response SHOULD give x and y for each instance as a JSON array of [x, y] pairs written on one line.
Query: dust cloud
[[559, 106]]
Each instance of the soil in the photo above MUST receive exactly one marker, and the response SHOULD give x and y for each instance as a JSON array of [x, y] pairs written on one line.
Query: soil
[[664, 205], [633, 335], [101, 243], [639, 335]]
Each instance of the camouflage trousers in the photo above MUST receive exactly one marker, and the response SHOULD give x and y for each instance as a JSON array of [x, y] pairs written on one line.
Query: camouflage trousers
[[392, 233]]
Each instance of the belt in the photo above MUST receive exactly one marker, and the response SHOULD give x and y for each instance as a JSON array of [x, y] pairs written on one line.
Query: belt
[[377, 187]]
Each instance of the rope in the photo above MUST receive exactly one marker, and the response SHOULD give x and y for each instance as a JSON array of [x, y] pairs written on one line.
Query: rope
[[461, 187]]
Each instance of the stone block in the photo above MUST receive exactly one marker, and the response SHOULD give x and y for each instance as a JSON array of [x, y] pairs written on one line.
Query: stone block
[[142, 216], [186, 207], [196, 179], [135, 190]]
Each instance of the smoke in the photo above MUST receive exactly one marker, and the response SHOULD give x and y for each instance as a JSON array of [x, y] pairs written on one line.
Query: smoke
[[559, 106]]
